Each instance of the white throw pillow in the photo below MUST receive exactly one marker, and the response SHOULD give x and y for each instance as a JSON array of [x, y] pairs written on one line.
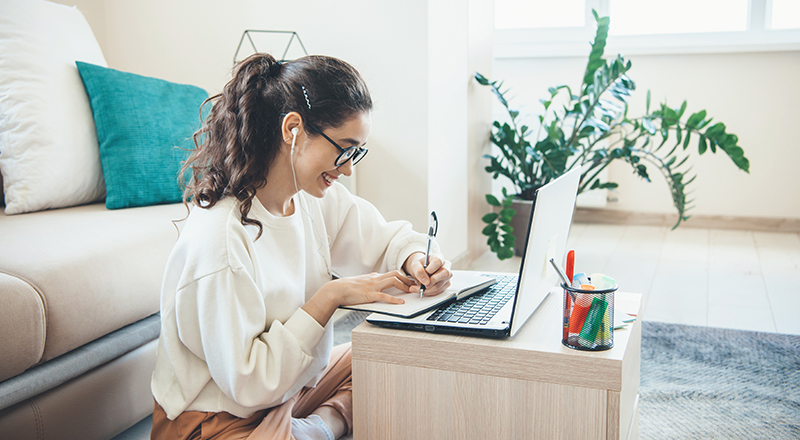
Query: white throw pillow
[[49, 156]]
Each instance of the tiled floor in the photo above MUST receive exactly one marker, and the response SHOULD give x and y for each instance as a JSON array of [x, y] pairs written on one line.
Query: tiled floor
[[745, 280]]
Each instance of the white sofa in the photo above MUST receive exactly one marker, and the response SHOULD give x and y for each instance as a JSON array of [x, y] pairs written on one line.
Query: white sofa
[[79, 289], [79, 283]]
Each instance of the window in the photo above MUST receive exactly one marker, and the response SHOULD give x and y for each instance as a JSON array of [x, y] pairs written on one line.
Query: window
[[643, 17], [540, 28], [785, 14], [539, 14]]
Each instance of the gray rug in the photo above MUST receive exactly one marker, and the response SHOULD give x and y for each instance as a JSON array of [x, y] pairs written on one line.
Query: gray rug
[[711, 383], [342, 327], [706, 383]]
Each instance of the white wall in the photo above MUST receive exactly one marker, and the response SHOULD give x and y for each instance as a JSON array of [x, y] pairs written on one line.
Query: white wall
[[754, 94], [481, 31], [447, 120], [414, 56]]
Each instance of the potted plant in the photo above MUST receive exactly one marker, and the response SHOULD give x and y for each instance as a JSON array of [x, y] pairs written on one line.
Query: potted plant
[[592, 130]]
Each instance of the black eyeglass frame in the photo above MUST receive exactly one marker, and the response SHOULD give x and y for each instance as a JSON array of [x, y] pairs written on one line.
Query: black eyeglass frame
[[356, 156]]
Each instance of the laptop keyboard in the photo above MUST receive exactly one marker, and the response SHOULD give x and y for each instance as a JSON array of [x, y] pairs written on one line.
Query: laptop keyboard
[[480, 307]]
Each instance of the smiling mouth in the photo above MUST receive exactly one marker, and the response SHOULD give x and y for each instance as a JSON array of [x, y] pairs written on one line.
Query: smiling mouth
[[328, 178]]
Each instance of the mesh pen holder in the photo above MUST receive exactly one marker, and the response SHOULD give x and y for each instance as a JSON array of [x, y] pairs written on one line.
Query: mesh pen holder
[[588, 318]]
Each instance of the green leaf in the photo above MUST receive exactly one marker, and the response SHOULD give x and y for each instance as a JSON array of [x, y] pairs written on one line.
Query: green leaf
[[670, 116], [505, 253], [695, 119], [649, 126], [715, 131], [490, 217], [489, 229], [598, 47], [702, 145], [647, 105], [481, 79], [683, 109], [606, 185], [641, 170], [492, 200], [506, 214], [508, 201]]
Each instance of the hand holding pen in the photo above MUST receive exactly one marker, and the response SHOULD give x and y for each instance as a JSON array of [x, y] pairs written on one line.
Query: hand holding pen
[[430, 269]]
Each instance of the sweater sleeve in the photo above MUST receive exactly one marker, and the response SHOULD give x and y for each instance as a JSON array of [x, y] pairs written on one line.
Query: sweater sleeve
[[221, 319], [362, 240]]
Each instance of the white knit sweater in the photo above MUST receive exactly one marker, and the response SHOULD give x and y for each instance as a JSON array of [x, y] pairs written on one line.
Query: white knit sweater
[[233, 335]]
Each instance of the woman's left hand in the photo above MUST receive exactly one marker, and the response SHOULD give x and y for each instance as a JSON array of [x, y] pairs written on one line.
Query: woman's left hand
[[435, 278]]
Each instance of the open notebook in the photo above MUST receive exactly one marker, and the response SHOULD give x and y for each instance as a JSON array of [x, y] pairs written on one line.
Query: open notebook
[[462, 285]]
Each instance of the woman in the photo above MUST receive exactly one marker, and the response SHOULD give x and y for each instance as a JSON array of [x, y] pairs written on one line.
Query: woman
[[246, 346]]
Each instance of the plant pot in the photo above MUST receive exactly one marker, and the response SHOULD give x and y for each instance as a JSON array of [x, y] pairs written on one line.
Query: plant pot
[[520, 223]]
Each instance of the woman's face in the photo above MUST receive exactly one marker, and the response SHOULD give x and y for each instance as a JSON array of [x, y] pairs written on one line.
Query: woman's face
[[315, 162]]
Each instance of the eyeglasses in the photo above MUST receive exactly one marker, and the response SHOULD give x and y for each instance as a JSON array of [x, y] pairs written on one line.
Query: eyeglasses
[[352, 153]]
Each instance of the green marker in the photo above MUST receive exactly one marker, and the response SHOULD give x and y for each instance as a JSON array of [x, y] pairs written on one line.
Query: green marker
[[593, 323]]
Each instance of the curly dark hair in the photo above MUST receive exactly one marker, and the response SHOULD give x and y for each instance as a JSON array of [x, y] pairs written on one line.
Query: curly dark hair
[[241, 137]]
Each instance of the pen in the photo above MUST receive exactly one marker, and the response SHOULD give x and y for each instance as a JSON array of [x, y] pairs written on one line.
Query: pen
[[563, 277], [433, 228], [561, 273]]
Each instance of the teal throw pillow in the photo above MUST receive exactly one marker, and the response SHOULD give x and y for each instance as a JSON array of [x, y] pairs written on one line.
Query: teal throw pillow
[[144, 129]]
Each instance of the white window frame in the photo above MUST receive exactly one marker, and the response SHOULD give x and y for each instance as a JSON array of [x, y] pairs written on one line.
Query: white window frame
[[574, 41]]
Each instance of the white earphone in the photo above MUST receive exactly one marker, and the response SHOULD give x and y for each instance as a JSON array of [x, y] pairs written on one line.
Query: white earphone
[[294, 137], [327, 243]]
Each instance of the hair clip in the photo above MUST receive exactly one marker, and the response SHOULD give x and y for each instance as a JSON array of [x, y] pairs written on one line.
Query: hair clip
[[305, 93]]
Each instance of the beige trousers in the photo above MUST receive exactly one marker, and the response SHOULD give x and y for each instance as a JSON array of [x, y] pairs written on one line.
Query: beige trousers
[[335, 389]]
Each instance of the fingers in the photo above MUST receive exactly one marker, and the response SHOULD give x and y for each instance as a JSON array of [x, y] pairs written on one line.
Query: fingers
[[397, 280], [422, 273], [437, 288], [436, 277], [385, 297], [404, 279]]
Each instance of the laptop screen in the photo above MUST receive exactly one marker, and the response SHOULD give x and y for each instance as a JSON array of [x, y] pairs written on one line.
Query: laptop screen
[[548, 229]]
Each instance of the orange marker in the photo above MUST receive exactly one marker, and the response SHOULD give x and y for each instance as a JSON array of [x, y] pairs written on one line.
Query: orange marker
[[570, 266]]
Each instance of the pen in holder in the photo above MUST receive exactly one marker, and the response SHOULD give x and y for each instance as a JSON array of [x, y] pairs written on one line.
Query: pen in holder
[[588, 318]]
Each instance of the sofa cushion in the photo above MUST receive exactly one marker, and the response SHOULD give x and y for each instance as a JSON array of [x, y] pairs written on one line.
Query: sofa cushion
[[144, 128], [23, 325], [48, 145], [55, 372], [85, 270], [97, 405]]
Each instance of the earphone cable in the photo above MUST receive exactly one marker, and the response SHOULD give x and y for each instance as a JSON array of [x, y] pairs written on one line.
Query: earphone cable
[[305, 211]]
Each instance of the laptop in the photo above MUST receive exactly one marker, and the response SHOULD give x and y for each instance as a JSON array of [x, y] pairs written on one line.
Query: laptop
[[502, 309]]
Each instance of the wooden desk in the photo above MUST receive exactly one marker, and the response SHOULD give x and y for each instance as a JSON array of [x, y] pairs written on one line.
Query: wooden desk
[[414, 385]]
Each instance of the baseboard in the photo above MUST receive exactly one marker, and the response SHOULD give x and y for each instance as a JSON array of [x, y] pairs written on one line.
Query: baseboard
[[608, 216]]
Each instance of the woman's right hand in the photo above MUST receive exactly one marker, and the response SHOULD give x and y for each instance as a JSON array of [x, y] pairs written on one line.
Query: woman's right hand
[[356, 290]]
